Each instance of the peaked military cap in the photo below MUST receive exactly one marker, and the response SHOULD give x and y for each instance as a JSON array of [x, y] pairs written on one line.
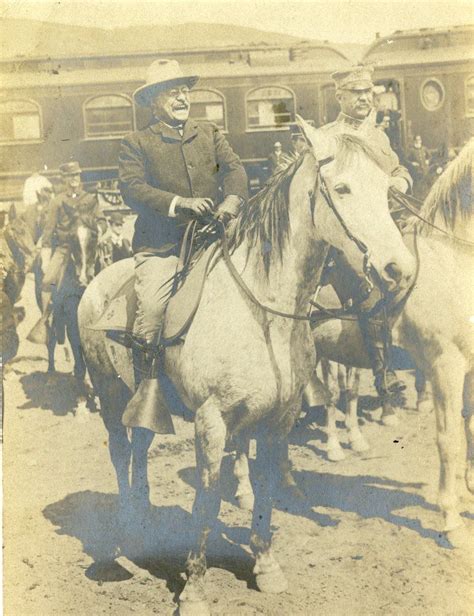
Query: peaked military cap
[[355, 78], [70, 168]]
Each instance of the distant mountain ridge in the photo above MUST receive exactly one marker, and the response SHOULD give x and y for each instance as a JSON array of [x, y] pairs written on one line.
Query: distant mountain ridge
[[22, 38]]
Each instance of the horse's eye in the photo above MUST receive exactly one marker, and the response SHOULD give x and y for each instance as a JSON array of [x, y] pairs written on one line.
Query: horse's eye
[[342, 189]]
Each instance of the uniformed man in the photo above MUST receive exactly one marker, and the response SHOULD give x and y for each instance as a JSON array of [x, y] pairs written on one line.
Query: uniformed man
[[354, 92], [63, 213], [173, 171], [113, 246]]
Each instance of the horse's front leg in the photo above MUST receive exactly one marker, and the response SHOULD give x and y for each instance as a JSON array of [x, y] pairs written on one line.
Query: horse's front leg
[[210, 435], [51, 347], [120, 455], [448, 373], [140, 489], [335, 452], [357, 440], [72, 329], [269, 576], [424, 394]]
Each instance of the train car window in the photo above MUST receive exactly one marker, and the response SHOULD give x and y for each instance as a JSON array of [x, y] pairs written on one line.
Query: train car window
[[432, 94], [208, 105], [469, 96], [108, 116], [20, 120], [270, 107], [330, 105]]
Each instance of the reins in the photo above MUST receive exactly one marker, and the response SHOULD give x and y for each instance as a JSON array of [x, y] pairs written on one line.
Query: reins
[[404, 202], [312, 196]]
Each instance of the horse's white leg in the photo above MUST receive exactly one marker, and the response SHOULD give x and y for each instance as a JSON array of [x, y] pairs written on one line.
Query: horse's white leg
[[469, 414], [210, 434], [424, 401], [140, 490], [448, 372], [357, 440], [120, 454], [269, 576], [244, 492], [334, 450]]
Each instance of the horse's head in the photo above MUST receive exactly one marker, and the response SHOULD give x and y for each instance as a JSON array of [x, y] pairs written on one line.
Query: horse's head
[[21, 243], [84, 249], [352, 203]]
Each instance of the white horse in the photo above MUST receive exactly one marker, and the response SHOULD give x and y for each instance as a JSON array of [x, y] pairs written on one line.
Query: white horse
[[243, 365], [436, 325]]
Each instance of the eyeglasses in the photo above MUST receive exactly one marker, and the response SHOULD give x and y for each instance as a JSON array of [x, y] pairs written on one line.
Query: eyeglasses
[[175, 92]]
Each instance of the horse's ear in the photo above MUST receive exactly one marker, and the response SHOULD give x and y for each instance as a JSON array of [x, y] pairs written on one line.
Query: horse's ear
[[12, 214], [321, 143]]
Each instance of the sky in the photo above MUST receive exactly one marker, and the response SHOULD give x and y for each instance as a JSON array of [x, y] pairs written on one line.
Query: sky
[[338, 21]]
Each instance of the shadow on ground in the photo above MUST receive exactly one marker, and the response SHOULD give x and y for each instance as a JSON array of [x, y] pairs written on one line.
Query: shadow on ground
[[158, 543], [53, 391]]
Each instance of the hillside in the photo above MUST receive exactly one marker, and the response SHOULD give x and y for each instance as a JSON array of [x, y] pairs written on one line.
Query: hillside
[[28, 38]]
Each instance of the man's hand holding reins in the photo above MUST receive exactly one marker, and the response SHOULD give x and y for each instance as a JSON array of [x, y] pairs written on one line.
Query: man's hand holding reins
[[191, 207]]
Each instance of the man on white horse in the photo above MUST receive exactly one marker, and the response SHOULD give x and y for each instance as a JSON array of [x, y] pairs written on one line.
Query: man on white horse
[[173, 171], [354, 93]]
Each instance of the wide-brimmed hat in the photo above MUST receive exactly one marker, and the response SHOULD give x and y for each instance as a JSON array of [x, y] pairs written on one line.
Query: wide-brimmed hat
[[355, 78], [161, 75], [70, 168]]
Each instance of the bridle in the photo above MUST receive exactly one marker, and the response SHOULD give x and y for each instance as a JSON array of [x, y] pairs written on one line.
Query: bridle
[[320, 184]]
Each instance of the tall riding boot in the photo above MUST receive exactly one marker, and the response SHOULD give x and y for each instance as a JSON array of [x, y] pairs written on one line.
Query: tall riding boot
[[39, 334], [377, 339], [148, 407]]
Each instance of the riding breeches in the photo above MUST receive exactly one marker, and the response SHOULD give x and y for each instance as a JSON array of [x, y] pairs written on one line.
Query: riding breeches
[[56, 268], [153, 284]]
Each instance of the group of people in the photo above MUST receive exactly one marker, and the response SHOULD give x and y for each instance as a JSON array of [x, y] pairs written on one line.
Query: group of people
[[178, 170]]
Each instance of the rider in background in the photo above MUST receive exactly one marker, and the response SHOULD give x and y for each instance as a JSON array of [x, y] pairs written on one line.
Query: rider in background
[[354, 93], [62, 217]]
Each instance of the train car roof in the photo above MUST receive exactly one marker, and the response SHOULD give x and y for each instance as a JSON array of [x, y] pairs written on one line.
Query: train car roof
[[136, 75], [422, 47]]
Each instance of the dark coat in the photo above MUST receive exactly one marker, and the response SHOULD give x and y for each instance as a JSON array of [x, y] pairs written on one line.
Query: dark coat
[[63, 213], [156, 164]]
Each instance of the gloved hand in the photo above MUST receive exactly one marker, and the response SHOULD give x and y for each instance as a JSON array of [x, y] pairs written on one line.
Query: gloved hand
[[399, 183], [228, 209], [191, 207]]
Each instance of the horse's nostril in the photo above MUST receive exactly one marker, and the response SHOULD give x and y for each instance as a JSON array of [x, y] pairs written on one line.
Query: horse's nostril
[[394, 272]]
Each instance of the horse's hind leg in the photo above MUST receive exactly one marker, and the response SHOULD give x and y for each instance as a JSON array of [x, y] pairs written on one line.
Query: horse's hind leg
[[244, 492], [120, 454], [448, 372], [469, 418], [357, 440], [269, 576], [424, 394], [140, 489], [210, 434]]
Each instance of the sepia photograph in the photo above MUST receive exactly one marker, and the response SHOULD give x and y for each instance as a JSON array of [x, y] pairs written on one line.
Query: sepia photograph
[[237, 307]]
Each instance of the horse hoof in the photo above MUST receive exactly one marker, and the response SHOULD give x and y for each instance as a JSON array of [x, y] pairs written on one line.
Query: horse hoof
[[245, 502], [459, 538], [272, 582], [193, 608], [336, 454], [360, 445], [390, 420]]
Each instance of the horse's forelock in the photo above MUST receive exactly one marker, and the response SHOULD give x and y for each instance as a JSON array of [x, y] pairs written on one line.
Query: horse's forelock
[[350, 145]]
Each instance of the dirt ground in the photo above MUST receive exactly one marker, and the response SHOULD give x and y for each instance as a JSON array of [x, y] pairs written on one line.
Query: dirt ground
[[365, 540]]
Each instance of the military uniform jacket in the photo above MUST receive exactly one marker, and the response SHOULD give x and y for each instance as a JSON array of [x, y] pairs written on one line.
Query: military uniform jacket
[[157, 163], [379, 142], [63, 214]]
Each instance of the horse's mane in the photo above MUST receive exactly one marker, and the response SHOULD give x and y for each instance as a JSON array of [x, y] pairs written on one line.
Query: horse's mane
[[350, 144], [264, 219], [451, 194]]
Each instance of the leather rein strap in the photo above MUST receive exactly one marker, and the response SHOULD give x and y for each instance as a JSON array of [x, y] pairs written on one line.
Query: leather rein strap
[[312, 195]]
